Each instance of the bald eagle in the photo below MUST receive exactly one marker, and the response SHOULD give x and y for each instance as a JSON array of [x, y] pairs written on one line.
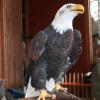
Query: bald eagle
[[53, 51]]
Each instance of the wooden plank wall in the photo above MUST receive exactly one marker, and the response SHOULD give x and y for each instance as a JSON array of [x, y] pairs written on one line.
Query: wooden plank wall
[[1, 42], [40, 13], [12, 46]]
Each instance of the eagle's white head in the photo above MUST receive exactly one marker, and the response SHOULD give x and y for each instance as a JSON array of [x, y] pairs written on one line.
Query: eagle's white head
[[63, 19]]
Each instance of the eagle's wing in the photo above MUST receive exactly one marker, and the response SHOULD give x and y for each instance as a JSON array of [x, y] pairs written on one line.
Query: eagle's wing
[[35, 50], [37, 46], [76, 47]]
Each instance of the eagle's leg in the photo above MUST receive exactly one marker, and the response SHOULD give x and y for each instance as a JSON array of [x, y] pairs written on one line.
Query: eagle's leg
[[58, 87], [43, 95]]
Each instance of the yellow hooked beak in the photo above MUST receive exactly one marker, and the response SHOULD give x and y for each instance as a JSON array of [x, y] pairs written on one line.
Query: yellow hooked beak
[[78, 8]]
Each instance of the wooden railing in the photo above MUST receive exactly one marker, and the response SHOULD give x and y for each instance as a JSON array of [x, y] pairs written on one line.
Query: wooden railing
[[75, 84]]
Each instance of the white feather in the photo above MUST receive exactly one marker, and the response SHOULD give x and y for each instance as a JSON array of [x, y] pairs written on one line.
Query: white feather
[[63, 24], [50, 84], [63, 21], [31, 92]]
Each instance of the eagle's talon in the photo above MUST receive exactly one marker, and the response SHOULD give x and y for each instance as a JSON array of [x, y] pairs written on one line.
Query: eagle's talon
[[59, 88], [65, 90], [43, 95], [53, 97]]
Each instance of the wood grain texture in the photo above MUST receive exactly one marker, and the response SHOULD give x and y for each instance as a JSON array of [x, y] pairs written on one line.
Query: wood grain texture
[[12, 46], [1, 43]]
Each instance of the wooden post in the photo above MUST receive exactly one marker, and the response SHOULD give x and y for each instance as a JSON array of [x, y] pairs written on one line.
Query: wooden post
[[11, 64], [1, 43]]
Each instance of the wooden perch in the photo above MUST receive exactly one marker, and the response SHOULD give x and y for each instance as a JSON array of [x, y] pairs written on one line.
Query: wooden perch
[[59, 96]]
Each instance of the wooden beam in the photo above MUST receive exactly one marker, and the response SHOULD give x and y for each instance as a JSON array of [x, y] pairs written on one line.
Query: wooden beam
[[11, 62], [12, 10], [1, 43]]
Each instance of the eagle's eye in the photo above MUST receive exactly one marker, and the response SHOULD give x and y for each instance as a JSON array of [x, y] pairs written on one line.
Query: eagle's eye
[[68, 6]]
